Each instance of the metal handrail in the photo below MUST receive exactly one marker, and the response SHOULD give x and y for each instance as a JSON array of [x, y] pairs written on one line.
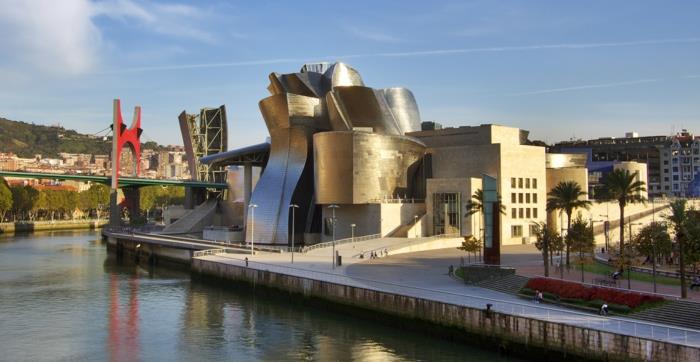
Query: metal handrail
[[649, 330], [199, 253], [327, 244]]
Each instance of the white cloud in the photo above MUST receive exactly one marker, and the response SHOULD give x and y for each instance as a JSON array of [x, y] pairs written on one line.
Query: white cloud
[[58, 37], [61, 37]]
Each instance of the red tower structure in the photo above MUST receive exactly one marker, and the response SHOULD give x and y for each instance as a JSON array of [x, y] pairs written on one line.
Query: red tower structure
[[121, 137]]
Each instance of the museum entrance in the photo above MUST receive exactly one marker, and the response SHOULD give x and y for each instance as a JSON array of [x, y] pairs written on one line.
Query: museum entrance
[[447, 213]]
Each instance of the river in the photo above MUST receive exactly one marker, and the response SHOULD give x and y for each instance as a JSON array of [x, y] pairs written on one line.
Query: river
[[63, 298]]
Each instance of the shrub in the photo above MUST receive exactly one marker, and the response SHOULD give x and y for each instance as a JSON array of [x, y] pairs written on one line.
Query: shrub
[[575, 291]]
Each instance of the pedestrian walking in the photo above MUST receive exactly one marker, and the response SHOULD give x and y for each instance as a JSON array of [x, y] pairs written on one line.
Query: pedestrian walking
[[540, 297], [246, 261], [696, 283], [604, 309], [536, 296]]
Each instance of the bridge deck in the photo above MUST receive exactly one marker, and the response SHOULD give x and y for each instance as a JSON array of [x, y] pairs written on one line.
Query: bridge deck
[[123, 181]]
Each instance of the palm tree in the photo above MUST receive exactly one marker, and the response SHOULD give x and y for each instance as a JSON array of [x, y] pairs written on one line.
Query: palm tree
[[566, 196], [679, 217], [625, 188]]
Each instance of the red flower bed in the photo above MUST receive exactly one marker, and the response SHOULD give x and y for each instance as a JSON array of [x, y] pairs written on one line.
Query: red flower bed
[[565, 289]]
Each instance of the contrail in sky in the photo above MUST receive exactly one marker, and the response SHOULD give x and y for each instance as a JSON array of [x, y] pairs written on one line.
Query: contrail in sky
[[411, 54], [587, 86]]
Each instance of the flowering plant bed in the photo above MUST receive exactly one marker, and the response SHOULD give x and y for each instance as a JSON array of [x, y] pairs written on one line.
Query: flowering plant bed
[[576, 292]]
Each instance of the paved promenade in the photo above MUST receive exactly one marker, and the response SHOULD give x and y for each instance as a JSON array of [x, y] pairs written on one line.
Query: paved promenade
[[424, 275]]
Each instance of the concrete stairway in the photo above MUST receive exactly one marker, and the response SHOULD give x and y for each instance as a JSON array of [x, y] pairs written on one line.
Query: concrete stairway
[[679, 313], [510, 284]]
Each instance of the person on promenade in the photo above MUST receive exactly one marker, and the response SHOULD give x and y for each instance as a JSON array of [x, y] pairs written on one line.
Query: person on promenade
[[604, 309], [696, 283], [616, 274], [535, 297], [540, 297]]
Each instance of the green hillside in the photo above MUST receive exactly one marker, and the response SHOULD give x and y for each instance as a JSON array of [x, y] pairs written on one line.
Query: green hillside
[[27, 139]]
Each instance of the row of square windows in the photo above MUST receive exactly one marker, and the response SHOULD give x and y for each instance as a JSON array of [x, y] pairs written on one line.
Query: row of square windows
[[523, 213], [521, 183], [521, 198], [516, 231]]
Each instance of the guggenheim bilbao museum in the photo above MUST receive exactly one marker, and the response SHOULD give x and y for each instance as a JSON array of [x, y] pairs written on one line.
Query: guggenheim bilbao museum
[[344, 159]]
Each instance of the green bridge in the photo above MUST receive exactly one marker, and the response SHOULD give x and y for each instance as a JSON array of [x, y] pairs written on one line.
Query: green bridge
[[123, 181]]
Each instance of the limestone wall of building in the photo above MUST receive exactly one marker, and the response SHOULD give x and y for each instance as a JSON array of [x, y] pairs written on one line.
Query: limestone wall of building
[[395, 215], [465, 187], [522, 178]]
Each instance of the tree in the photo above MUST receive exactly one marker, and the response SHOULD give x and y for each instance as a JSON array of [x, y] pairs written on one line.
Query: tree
[[580, 237], [471, 245], [625, 188], [653, 241], [5, 199], [679, 220], [546, 238], [567, 196], [476, 205]]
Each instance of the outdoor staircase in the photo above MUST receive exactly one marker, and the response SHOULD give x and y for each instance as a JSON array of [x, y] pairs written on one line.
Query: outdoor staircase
[[510, 284], [681, 313]]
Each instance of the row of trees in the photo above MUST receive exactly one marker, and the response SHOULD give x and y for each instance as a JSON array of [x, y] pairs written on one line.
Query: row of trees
[[27, 203]]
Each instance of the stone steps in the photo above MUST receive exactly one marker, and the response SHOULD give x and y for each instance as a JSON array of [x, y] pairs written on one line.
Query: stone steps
[[510, 284], [679, 313]]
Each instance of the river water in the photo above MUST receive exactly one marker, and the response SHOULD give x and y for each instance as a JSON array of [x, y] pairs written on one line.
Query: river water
[[63, 298]]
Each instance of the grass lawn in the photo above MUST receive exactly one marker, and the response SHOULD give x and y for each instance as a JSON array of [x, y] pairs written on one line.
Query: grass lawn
[[598, 268]]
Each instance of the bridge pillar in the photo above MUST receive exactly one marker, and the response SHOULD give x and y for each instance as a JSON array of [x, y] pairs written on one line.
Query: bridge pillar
[[132, 201], [115, 215]]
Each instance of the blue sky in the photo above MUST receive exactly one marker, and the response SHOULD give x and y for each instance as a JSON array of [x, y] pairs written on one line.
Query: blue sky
[[560, 69]]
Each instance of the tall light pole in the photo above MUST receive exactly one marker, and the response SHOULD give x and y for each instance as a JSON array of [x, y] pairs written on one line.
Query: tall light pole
[[333, 207], [252, 227], [293, 207], [352, 232]]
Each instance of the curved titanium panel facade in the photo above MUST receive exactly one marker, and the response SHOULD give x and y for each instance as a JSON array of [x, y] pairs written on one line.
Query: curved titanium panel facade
[[404, 107], [360, 168]]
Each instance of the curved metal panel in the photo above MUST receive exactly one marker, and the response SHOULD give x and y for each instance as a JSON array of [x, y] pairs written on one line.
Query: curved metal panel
[[359, 167], [362, 107], [275, 188], [342, 75], [404, 108]]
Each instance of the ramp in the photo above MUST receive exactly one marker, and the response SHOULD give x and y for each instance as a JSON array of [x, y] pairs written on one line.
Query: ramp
[[195, 220]]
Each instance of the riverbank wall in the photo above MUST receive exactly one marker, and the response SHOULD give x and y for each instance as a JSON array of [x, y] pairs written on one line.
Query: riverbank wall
[[524, 336], [28, 227]]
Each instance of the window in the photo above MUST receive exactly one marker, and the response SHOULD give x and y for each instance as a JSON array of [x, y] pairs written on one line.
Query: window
[[446, 213], [514, 213], [527, 198], [666, 179], [675, 177], [665, 162], [516, 231], [527, 183], [675, 169], [520, 213], [534, 213], [533, 230], [534, 198], [534, 183], [512, 197], [527, 213], [520, 198], [512, 182], [520, 183]]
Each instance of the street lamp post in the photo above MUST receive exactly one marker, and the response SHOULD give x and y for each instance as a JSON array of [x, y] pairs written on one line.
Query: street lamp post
[[352, 232], [293, 207], [333, 222], [252, 227]]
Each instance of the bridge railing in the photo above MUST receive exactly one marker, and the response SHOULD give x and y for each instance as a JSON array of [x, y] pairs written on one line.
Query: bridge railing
[[209, 252], [306, 249]]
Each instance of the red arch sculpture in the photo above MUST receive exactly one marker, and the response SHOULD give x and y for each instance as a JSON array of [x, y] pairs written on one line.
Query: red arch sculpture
[[123, 136]]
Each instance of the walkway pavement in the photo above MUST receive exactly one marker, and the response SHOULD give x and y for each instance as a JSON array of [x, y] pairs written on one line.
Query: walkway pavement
[[424, 275]]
